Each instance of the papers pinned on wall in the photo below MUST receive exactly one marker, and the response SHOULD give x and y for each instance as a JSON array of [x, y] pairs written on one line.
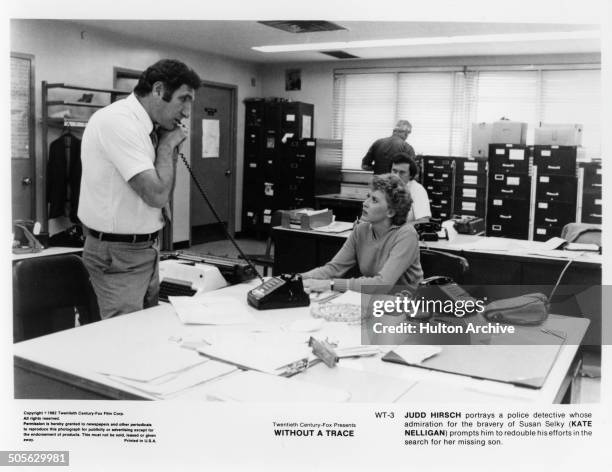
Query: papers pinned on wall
[[210, 139]]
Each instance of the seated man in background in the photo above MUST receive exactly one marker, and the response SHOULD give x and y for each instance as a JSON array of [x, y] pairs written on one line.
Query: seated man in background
[[405, 168], [381, 245]]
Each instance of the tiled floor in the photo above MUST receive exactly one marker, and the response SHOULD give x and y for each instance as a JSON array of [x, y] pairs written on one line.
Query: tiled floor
[[586, 390]]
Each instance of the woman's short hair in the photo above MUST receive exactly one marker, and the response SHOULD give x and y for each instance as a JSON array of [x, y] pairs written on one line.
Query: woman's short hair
[[397, 195]]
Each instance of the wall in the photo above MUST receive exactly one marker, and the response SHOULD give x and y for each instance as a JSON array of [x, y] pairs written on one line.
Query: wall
[[64, 54], [317, 79]]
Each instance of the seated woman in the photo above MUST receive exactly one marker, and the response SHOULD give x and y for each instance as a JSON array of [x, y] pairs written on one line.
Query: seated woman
[[381, 245]]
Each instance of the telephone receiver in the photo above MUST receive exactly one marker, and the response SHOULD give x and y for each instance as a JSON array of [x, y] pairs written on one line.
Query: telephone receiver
[[284, 291], [442, 288]]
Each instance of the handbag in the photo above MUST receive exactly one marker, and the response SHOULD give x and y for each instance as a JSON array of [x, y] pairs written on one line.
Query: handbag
[[529, 309]]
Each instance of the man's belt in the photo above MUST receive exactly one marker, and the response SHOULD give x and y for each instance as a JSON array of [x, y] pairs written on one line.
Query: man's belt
[[123, 238]]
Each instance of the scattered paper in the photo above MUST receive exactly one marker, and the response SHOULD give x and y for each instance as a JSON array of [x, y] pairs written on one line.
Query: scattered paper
[[336, 227], [147, 362], [211, 309], [307, 325], [175, 382], [416, 354]]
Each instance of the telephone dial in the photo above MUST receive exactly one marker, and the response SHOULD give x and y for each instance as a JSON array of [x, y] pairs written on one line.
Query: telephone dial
[[284, 291]]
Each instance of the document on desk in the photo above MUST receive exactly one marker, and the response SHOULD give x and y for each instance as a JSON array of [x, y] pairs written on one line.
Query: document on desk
[[177, 381], [211, 309], [273, 358], [145, 362], [336, 227], [254, 386]]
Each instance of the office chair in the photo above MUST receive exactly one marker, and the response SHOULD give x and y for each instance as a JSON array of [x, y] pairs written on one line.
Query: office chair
[[46, 292], [443, 264], [266, 259]]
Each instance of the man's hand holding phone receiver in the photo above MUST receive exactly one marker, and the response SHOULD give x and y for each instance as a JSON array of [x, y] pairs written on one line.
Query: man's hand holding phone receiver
[[174, 137]]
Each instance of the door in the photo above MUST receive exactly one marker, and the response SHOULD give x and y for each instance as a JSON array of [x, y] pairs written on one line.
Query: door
[[23, 174], [213, 157]]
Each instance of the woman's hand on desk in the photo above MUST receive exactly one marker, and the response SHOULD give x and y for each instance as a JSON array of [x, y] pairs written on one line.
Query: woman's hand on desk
[[317, 285]]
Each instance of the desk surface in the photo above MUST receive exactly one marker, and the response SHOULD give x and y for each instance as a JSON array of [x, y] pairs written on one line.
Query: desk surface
[[483, 245], [50, 251], [73, 356]]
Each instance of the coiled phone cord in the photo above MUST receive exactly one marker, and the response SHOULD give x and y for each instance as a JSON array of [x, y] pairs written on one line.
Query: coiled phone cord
[[212, 208]]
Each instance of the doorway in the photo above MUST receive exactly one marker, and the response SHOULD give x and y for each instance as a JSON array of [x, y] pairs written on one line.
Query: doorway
[[213, 160]]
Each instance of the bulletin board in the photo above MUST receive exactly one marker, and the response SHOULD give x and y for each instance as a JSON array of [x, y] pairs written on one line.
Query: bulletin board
[[22, 106]]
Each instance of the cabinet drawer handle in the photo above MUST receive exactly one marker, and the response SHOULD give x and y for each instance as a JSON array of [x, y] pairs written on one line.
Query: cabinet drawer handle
[[438, 180], [506, 217], [552, 194], [436, 206], [554, 167], [437, 193], [507, 165], [551, 220], [595, 215], [595, 185], [507, 191], [438, 167]]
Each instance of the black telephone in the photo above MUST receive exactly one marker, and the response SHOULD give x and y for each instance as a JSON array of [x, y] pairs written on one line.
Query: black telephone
[[442, 288], [430, 231], [284, 291]]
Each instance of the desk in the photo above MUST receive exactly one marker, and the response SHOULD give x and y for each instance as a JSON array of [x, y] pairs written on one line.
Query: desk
[[493, 261], [63, 364], [50, 251]]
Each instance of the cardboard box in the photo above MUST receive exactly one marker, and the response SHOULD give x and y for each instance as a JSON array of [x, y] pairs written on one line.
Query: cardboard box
[[509, 132], [558, 134], [481, 138]]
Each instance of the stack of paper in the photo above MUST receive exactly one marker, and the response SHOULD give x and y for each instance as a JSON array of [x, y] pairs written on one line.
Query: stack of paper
[[211, 309]]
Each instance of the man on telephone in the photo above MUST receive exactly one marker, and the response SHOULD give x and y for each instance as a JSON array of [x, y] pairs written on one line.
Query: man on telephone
[[129, 154]]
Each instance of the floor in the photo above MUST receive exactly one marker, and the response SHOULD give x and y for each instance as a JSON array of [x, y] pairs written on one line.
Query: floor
[[586, 386]]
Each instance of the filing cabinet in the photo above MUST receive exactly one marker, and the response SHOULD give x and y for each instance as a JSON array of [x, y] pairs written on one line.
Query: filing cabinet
[[556, 190], [470, 187], [279, 166], [509, 192], [591, 192], [439, 181]]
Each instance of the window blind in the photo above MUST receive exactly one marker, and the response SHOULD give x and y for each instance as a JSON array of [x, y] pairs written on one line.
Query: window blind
[[574, 96], [442, 105]]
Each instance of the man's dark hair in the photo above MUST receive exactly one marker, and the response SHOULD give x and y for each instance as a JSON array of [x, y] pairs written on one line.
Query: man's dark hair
[[169, 71], [404, 158]]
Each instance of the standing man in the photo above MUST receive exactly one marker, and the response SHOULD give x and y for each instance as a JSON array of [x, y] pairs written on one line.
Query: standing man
[[380, 153], [129, 154], [405, 168]]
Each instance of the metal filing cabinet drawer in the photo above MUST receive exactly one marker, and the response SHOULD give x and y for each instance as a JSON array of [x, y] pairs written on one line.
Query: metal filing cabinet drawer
[[470, 192], [555, 160], [554, 213], [472, 179], [591, 208], [505, 230], [506, 185], [470, 165], [469, 206], [446, 189], [556, 188], [544, 232], [438, 164], [509, 159], [592, 177]]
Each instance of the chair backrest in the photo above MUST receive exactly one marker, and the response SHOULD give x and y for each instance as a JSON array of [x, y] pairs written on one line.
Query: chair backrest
[[46, 291], [444, 264], [582, 233]]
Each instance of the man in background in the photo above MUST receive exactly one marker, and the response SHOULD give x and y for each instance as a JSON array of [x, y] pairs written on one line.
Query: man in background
[[378, 157], [129, 155], [406, 169]]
